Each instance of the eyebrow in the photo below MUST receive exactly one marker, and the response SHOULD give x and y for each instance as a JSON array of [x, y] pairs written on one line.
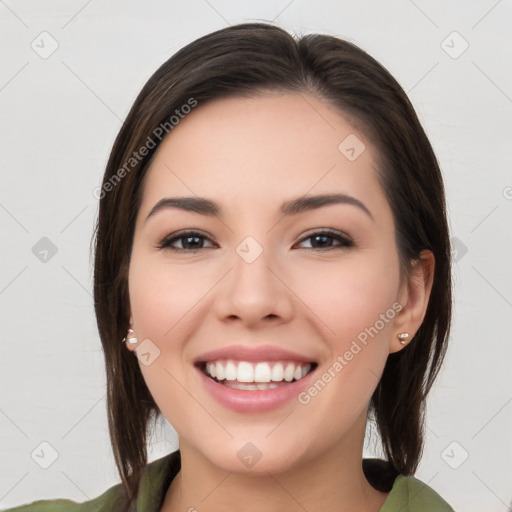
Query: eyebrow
[[302, 204]]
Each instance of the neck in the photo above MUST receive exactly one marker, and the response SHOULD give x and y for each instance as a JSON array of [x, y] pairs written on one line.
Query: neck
[[332, 480]]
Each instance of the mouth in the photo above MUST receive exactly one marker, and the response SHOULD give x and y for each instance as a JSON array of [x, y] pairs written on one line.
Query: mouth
[[255, 376]]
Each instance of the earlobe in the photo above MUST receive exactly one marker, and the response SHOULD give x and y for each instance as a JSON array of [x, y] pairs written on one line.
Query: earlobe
[[402, 337], [131, 338], [415, 295]]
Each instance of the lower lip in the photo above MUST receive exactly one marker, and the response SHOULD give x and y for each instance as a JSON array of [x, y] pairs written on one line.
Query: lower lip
[[241, 400]]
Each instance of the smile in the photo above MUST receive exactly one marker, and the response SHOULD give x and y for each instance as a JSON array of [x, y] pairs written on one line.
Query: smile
[[254, 387], [256, 376]]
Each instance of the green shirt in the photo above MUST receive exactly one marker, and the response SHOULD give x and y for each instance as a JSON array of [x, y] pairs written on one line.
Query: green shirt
[[408, 494]]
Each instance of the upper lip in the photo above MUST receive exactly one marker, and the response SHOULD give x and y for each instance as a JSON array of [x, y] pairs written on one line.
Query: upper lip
[[248, 353]]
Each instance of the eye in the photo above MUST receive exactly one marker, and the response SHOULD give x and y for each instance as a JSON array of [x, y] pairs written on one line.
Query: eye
[[322, 240], [191, 241]]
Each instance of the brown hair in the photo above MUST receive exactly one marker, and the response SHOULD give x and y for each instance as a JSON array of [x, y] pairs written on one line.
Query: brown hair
[[247, 59]]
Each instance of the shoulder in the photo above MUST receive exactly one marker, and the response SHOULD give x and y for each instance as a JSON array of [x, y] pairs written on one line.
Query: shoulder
[[102, 503], [406, 493], [153, 485], [413, 495]]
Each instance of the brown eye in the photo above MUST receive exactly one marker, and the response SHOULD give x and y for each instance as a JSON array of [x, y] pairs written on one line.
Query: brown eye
[[322, 240], [191, 241]]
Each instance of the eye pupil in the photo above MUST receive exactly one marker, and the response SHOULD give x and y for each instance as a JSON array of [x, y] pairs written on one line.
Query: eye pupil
[[323, 238], [187, 240]]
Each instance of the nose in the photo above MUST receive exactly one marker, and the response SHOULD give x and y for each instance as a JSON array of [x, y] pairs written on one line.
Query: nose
[[254, 293]]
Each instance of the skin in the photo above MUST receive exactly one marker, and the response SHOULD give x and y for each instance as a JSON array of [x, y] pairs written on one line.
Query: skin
[[250, 155]]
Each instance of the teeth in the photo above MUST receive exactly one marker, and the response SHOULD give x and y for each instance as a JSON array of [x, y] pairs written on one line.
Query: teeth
[[231, 372], [219, 371], [245, 372], [277, 374], [288, 372], [261, 374]]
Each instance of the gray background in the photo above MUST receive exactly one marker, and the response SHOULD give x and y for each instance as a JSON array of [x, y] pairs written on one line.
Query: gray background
[[60, 115]]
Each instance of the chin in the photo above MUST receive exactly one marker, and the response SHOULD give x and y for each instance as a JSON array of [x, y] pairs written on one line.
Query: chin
[[256, 458]]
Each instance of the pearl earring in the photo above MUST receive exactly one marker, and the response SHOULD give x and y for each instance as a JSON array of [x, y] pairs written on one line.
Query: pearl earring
[[129, 338], [403, 337]]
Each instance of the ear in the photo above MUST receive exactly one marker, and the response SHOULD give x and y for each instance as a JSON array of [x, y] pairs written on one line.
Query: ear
[[414, 295]]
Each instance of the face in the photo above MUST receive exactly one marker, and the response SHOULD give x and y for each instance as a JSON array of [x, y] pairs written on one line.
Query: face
[[254, 284]]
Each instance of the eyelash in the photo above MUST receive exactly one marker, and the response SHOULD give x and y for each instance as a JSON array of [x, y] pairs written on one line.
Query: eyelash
[[345, 242]]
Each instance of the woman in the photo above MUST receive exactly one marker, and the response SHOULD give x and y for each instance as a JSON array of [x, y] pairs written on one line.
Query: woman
[[272, 247]]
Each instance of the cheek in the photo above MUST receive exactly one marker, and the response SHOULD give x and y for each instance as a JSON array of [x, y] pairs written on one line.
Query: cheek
[[163, 297], [356, 304], [352, 296]]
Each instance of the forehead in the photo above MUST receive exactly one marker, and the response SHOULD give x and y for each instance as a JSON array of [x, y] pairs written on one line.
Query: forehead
[[252, 151]]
